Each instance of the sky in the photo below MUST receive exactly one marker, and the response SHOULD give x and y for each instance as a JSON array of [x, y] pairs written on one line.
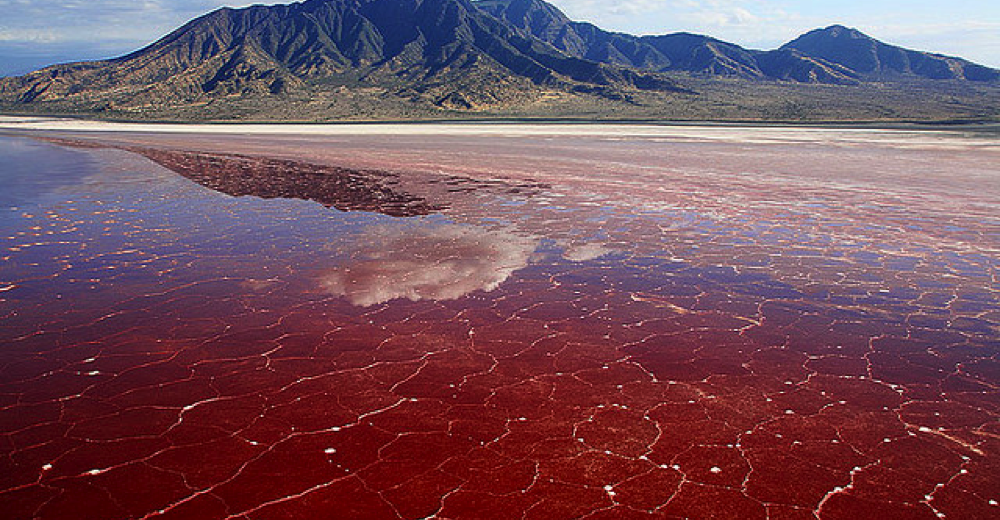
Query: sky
[[35, 33]]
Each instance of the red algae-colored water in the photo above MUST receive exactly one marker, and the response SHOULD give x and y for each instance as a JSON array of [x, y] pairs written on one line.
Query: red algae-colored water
[[517, 322]]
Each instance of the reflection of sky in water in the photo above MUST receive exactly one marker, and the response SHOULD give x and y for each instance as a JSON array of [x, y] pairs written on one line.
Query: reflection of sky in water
[[31, 169], [585, 252], [438, 262], [129, 218], [88, 220]]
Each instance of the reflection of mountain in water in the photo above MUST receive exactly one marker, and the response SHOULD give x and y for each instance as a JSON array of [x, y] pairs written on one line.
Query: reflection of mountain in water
[[341, 188], [441, 262]]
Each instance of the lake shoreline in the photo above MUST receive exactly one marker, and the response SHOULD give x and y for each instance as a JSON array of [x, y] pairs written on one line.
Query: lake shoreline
[[61, 122]]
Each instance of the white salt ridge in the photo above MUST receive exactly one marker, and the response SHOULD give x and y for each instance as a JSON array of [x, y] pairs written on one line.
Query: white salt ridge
[[742, 134]]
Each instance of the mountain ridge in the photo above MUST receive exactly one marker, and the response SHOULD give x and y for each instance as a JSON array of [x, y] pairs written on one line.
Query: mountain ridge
[[819, 51], [272, 49], [418, 58], [878, 60]]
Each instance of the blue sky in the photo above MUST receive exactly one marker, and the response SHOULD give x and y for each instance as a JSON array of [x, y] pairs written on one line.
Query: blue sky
[[34, 33]]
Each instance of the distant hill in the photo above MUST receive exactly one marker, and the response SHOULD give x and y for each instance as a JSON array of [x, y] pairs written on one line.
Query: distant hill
[[834, 55], [871, 59], [331, 59]]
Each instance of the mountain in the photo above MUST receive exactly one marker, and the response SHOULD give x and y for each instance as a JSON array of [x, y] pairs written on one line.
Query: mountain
[[834, 55], [377, 59], [446, 53], [793, 65], [874, 60], [683, 52], [583, 40], [686, 52]]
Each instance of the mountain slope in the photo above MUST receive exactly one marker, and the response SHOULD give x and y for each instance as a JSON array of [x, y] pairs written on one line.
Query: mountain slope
[[702, 54], [443, 52], [684, 52], [834, 55], [876, 60], [793, 65], [403, 59]]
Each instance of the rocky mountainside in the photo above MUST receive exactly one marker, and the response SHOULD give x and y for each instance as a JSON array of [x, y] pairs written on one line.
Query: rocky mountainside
[[834, 55], [871, 59], [442, 52], [363, 59]]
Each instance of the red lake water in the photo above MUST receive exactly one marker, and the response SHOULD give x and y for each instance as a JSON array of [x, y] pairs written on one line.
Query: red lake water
[[503, 322]]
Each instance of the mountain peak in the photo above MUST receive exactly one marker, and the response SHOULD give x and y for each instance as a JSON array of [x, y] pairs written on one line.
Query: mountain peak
[[834, 35], [871, 58], [354, 58], [535, 16], [841, 31], [446, 54]]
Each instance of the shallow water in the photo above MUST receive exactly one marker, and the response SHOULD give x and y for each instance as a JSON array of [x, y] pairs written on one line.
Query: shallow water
[[616, 328]]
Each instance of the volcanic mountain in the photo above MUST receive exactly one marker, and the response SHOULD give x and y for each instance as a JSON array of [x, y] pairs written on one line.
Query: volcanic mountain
[[445, 52], [335, 59]]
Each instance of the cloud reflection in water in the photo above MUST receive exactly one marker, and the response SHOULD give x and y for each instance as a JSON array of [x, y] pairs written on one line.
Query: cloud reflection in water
[[585, 252], [440, 262]]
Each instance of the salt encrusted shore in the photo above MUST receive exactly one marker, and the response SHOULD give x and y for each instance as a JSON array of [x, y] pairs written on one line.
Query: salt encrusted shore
[[743, 133]]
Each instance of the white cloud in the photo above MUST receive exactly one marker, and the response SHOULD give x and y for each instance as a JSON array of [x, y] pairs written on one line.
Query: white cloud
[[18, 34]]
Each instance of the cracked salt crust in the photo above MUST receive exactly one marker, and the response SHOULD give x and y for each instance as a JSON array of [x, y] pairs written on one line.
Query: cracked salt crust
[[597, 380]]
